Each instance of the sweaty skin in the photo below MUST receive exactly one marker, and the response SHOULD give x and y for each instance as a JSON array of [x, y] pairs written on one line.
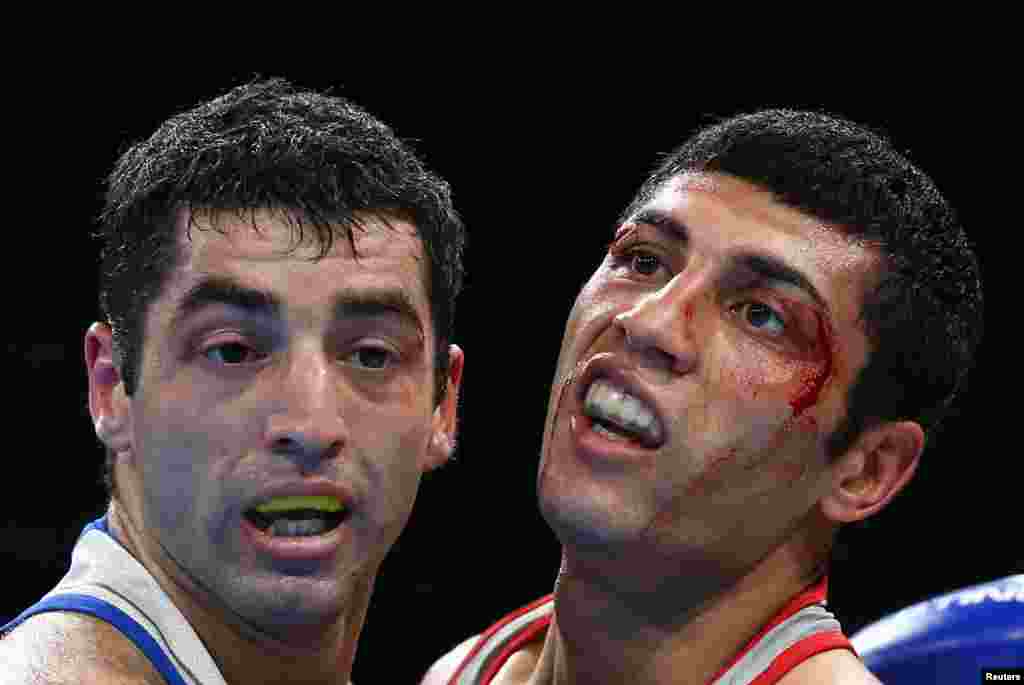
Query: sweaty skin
[[736, 320], [269, 373], [783, 380]]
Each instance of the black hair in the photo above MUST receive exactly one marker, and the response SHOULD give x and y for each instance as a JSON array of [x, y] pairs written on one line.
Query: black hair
[[320, 159], [924, 317]]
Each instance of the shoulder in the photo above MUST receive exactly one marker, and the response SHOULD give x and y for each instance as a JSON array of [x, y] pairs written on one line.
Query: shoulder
[[834, 666], [526, 622], [60, 647], [445, 667], [517, 668]]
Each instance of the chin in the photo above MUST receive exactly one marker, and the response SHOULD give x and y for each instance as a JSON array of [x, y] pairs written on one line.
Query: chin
[[590, 521], [278, 604]]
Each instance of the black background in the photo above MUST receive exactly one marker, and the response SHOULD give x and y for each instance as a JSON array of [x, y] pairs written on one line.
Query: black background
[[542, 152]]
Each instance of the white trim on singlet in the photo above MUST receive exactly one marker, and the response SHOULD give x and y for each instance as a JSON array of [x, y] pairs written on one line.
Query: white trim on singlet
[[101, 568], [811, 620], [475, 667]]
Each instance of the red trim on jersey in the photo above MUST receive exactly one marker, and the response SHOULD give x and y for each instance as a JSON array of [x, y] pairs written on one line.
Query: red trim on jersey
[[813, 594], [489, 633], [535, 629], [783, 663], [797, 653]]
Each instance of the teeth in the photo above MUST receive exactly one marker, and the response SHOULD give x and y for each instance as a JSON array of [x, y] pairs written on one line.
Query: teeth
[[613, 405], [314, 502], [610, 435], [297, 515], [288, 528]]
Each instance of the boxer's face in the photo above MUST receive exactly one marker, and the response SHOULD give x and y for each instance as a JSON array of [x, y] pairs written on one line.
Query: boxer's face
[[268, 376], [742, 317]]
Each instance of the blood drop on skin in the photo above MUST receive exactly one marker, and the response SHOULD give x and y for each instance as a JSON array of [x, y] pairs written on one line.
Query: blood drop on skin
[[812, 379]]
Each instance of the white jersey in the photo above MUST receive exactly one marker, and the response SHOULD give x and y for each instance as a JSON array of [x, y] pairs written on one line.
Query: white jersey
[[803, 628], [107, 582]]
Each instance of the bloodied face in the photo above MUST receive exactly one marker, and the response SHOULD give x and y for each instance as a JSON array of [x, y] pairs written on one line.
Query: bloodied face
[[703, 367]]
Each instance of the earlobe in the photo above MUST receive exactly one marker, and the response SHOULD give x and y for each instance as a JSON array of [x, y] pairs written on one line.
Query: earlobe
[[440, 450], [108, 404], [873, 471], [445, 420]]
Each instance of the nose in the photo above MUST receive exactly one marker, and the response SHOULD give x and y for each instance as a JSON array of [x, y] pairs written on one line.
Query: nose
[[306, 422], [657, 327]]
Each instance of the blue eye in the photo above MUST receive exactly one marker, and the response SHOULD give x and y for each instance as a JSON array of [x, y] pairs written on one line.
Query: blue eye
[[762, 317]]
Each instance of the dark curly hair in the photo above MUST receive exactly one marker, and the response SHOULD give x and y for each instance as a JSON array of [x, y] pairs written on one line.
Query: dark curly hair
[[267, 145], [924, 318]]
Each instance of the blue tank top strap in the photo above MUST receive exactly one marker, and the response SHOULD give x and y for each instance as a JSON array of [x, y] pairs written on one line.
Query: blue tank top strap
[[98, 608], [101, 524]]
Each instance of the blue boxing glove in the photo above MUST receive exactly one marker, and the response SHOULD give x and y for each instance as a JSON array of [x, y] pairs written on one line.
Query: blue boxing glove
[[950, 639]]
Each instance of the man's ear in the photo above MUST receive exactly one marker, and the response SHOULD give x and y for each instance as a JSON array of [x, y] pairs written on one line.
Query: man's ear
[[108, 403], [878, 465], [445, 420]]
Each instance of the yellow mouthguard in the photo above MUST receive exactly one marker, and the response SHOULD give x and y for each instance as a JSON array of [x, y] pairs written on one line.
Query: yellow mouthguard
[[318, 502]]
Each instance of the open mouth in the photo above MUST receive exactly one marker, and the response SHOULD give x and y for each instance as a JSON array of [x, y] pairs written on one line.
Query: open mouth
[[297, 515], [618, 416]]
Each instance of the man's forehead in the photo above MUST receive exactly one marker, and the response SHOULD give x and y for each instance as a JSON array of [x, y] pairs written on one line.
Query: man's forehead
[[740, 198], [260, 252], [272, 234], [727, 200]]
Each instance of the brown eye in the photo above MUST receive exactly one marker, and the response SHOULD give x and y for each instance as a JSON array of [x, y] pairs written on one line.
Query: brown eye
[[645, 263], [371, 357], [230, 354]]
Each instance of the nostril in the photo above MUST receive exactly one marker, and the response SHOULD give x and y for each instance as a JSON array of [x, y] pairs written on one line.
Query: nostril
[[306, 449], [286, 444], [655, 347]]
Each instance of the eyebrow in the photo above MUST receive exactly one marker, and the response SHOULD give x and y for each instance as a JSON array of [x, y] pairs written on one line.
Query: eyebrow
[[366, 304], [220, 290], [226, 291], [772, 268], [664, 221], [767, 267]]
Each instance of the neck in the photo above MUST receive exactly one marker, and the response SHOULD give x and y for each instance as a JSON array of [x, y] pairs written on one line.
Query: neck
[[684, 629], [243, 653]]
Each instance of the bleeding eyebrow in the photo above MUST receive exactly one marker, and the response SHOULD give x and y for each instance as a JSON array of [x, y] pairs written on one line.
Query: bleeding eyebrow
[[771, 268], [662, 221], [219, 290]]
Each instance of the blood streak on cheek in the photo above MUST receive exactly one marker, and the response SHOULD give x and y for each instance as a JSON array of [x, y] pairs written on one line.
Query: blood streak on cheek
[[813, 378], [564, 385]]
